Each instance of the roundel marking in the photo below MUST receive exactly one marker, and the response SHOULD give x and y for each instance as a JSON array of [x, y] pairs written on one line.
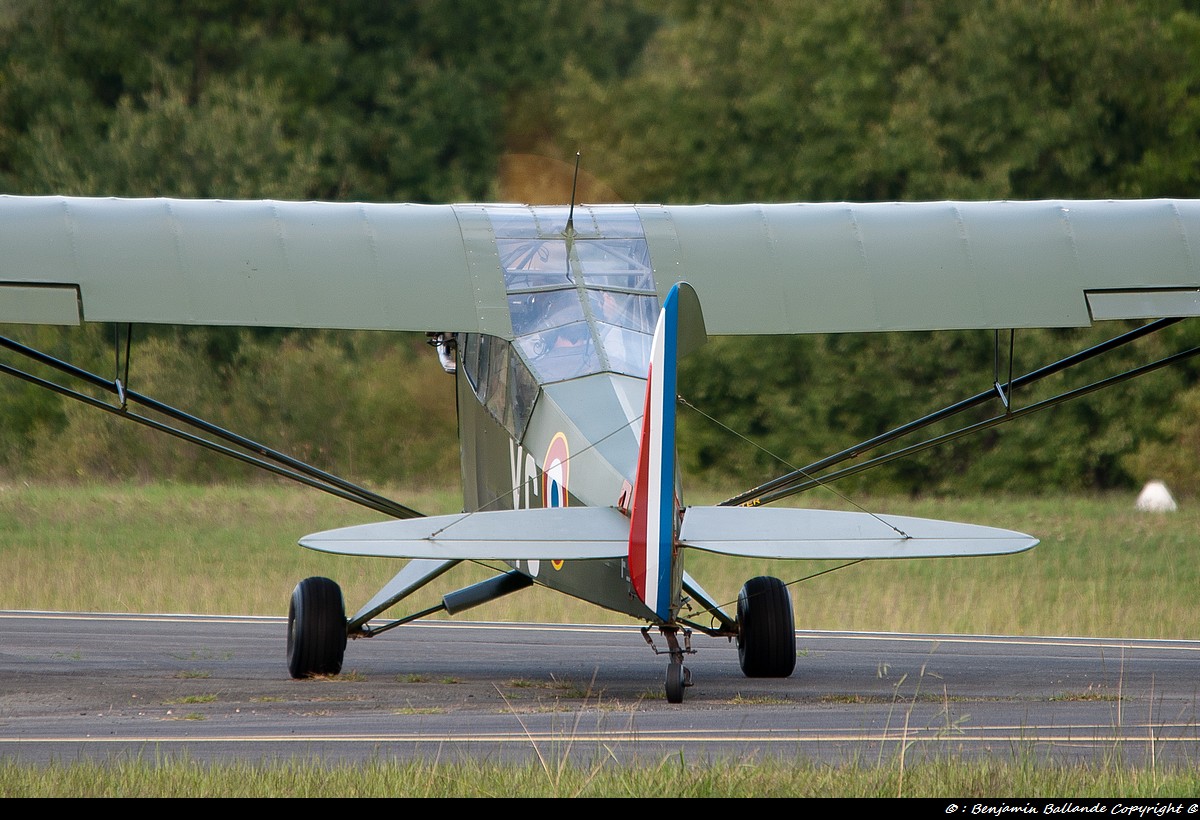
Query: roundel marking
[[556, 472]]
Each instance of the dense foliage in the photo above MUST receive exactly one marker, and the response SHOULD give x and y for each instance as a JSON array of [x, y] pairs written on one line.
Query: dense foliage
[[769, 101]]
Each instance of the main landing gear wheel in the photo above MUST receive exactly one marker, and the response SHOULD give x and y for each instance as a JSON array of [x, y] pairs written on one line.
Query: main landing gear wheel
[[766, 629], [316, 639]]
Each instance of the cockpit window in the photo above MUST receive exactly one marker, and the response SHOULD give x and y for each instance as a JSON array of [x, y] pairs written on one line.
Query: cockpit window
[[581, 303], [561, 353], [615, 263], [617, 223], [534, 263], [638, 313], [541, 310], [627, 351]]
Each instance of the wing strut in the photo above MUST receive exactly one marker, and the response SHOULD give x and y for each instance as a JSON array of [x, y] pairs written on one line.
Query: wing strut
[[263, 457], [805, 478]]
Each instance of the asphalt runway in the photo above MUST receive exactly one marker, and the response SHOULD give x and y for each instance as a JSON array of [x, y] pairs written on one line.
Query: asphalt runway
[[213, 688]]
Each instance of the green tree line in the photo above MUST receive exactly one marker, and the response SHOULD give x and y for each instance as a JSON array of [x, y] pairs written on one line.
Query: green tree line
[[779, 100]]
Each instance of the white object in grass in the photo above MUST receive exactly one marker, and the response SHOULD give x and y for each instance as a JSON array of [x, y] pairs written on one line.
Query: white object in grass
[[1155, 497]]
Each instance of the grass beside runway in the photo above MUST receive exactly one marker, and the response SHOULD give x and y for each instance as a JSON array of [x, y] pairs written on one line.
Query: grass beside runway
[[1103, 569], [954, 781]]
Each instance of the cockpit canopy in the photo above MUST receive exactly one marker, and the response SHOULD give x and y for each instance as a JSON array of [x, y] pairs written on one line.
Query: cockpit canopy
[[581, 302]]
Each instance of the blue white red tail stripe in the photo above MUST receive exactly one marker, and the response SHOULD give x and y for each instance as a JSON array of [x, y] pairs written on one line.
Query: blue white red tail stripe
[[654, 513]]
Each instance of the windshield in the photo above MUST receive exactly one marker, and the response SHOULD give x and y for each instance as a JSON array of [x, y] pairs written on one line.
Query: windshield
[[581, 304]]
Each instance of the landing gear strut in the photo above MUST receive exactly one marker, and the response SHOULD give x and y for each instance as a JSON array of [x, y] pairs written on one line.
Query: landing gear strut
[[679, 677]]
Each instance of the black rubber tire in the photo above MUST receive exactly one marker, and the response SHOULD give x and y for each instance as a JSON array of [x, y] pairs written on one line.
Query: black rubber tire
[[316, 640], [675, 679], [766, 629]]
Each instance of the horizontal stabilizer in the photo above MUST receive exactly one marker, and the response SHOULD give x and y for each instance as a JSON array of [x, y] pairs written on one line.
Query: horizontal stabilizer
[[506, 535], [756, 532]]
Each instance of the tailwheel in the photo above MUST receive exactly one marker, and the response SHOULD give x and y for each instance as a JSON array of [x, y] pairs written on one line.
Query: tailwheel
[[678, 678], [316, 640], [766, 629]]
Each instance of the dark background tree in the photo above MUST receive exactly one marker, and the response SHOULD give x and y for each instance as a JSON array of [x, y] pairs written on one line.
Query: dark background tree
[[787, 100], [803, 100]]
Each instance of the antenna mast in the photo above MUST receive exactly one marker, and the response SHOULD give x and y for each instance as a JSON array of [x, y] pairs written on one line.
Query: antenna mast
[[571, 213]]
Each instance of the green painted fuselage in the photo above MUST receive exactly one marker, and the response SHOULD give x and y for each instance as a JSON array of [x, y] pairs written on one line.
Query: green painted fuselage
[[552, 417]]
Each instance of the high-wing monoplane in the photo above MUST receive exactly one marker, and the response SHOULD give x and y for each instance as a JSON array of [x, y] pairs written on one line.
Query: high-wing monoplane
[[563, 326]]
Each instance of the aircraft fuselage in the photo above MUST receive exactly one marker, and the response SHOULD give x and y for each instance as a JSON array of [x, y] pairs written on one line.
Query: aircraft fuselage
[[579, 449]]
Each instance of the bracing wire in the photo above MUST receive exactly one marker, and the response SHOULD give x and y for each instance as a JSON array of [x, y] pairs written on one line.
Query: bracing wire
[[793, 467]]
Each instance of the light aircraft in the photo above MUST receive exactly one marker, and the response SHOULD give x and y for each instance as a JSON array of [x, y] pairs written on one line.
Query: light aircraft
[[563, 326]]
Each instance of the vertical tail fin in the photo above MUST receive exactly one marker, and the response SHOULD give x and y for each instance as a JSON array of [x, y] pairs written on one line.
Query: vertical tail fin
[[655, 516]]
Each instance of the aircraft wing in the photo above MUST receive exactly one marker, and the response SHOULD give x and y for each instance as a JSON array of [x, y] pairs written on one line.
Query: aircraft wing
[[760, 532], [834, 267], [786, 268], [249, 263]]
